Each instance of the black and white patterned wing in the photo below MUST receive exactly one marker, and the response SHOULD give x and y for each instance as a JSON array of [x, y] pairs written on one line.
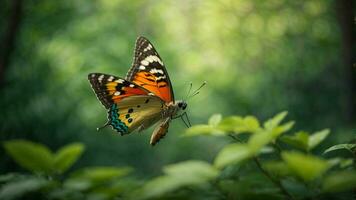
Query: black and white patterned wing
[[149, 72]]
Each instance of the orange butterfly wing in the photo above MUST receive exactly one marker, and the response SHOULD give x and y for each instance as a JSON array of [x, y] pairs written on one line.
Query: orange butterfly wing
[[129, 105], [148, 71], [111, 89]]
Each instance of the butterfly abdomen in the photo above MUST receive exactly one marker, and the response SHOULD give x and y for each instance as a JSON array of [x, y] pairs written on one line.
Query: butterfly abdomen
[[115, 121]]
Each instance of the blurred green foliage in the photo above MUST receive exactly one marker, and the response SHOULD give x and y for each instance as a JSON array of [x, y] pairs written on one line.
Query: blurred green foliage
[[287, 173], [257, 57]]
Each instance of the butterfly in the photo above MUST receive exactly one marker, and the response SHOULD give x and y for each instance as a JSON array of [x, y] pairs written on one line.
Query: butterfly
[[144, 97]]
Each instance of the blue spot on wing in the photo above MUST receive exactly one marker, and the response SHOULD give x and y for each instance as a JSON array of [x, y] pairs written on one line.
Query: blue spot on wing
[[116, 123]]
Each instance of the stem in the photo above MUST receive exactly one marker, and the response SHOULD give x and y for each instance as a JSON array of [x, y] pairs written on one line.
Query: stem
[[275, 181], [223, 195], [269, 176], [235, 138], [277, 147]]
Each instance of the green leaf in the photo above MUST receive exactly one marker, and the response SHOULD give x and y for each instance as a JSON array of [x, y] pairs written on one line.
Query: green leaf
[[203, 130], [16, 189], [275, 121], [298, 140], [251, 124], [346, 163], [267, 150], [78, 184], [317, 138], [258, 141], [232, 153], [122, 186], [349, 147], [341, 162], [229, 124], [250, 188], [9, 177], [187, 173], [31, 156], [157, 187], [340, 181], [277, 168], [196, 171], [98, 174], [334, 162], [66, 156], [307, 167], [214, 120], [237, 124], [277, 131]]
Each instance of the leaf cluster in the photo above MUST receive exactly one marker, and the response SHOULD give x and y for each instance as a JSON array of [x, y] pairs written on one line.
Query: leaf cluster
[[263, 160]]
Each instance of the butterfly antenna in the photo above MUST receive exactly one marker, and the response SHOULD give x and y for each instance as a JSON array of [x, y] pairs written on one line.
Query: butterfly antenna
[[194, 94], [105, 125], [190, 89], [197, 90]]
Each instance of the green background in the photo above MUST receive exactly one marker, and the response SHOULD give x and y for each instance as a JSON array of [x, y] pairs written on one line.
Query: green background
[[258, 58]]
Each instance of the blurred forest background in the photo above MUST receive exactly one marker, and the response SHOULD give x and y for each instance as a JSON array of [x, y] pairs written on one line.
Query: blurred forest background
[[258, 57]]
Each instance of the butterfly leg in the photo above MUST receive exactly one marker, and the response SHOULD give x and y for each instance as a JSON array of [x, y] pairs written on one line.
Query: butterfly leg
[[105, 125], [186, 116], [141, 128], [187, 124]]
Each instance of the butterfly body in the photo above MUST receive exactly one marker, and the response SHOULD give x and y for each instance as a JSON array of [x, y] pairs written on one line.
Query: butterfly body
[[144, 97]]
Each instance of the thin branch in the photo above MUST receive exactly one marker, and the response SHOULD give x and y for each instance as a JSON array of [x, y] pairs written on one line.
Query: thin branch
[[275, 181], [235, 138], [277, 147], [269, 176], [223, 194]]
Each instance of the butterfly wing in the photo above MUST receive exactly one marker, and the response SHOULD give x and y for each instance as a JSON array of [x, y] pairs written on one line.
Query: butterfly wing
[[137, 102], [135, 112], [149, 72], [111, 89], [129, 105]]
